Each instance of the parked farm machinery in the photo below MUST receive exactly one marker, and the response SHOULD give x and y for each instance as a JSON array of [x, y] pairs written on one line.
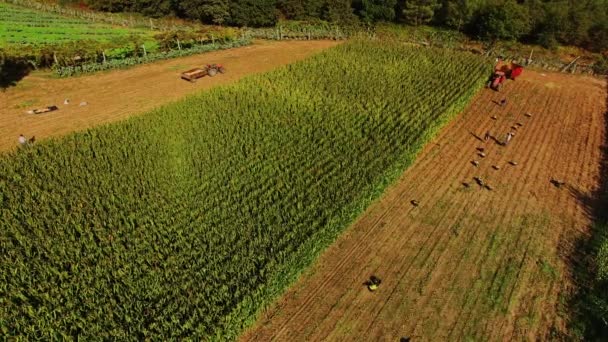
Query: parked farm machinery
[[43, 110], [209, 70], [502, 71]]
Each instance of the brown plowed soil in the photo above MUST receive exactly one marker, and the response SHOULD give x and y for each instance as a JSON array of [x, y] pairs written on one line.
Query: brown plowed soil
[[115, 95], [467, 263]]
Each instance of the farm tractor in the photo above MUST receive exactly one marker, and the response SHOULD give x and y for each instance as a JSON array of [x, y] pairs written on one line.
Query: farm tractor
[[209, 70], [502, 71]]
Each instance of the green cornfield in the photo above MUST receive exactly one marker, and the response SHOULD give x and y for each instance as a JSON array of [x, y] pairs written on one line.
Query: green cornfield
[[187, 221]]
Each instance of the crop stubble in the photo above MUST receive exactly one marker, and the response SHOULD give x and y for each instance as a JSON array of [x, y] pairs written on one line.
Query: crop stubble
[[467, 263]]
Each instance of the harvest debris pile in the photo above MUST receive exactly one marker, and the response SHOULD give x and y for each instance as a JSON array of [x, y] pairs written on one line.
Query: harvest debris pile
[[188, 220]]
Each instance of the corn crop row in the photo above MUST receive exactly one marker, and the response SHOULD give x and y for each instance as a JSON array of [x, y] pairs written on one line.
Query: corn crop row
[[187, 221]]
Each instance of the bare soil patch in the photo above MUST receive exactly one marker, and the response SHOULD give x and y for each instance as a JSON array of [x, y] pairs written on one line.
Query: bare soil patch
[[119, 94], [464, 262]]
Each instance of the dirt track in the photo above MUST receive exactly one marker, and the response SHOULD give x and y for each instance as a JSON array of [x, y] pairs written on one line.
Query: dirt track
[[119, 94], [468, 263]]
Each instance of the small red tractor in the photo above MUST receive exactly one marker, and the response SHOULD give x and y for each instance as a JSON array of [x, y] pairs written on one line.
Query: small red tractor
[[502, 71], [209, 70]]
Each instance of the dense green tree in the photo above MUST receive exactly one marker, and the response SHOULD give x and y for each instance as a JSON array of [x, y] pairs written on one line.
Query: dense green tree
[[340, 11], [291, 9], [598, 37], [253, 13], [580, 21], [301, 9], [208, 11], [153, 8], [418, 12], [548, 22], [506, 20], [455, 13], [314, 8], [376, 10]]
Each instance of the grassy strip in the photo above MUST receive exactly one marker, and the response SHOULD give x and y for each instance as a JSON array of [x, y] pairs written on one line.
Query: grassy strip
[[598, 297], [187, 221], [590, 305]]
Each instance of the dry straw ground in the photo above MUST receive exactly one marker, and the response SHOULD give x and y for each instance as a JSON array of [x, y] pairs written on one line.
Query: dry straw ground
[[467, 263]]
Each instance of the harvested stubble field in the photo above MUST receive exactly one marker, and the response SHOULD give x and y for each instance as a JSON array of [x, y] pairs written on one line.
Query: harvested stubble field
[[466, 263]]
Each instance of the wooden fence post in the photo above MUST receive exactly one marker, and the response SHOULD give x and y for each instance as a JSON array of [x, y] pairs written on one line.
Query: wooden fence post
[[145, 52], [179, 46]]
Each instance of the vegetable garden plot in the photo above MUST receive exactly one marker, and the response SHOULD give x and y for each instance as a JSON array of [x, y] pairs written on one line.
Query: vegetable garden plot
[[22, 26], [188, 220]]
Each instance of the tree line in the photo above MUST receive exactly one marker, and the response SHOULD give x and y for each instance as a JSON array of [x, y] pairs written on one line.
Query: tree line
[[546, 22]]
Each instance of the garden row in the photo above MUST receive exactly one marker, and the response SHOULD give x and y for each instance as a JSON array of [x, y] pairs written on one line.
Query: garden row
[[25, 26], [187, 221], [127, 62]]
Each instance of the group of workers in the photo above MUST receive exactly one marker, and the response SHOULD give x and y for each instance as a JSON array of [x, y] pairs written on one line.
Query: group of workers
[[509, 135], [23, 141]]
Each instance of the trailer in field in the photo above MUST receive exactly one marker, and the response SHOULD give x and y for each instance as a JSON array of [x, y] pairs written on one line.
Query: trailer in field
[[209, 70]]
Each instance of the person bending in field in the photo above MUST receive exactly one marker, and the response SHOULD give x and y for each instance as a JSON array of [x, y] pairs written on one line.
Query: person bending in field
[[509, 137], [22, 140], [503, 102], [486, 137]]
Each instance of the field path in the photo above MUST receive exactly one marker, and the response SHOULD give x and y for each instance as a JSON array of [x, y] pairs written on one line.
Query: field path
[[467, 263], [115, 95]]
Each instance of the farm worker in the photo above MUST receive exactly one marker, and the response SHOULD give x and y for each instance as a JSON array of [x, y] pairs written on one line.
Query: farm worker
[[503, 102], [22, 140], [509, 137], [499, 64], [486, 137]]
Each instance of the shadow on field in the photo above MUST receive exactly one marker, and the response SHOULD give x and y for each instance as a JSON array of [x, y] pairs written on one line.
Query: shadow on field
[[587, 307], [476, 136], [12, 71]]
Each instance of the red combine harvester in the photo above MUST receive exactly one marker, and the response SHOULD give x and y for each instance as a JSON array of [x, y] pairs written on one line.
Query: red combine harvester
[[502, 71]]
